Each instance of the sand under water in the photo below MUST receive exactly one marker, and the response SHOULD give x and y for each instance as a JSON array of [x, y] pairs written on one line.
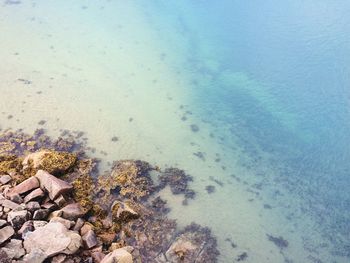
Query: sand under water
[[121, 78]]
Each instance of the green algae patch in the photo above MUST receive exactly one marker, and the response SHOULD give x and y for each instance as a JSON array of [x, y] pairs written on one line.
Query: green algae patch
[[83, 191], [10, 164]]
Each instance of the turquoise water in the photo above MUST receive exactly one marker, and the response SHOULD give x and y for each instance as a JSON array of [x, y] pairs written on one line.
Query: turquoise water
[[266, 82]]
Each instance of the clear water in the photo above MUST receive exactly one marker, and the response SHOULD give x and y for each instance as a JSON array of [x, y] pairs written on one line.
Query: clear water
[[267, 83]]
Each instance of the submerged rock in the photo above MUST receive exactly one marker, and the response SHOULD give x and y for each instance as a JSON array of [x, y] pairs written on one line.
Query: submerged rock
[[119, 255]]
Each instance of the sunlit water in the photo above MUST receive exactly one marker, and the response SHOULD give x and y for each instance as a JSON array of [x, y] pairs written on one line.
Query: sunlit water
[[267, 83]]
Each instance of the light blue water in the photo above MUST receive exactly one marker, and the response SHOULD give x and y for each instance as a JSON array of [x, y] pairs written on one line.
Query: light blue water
[[266, 81], [277, 75]]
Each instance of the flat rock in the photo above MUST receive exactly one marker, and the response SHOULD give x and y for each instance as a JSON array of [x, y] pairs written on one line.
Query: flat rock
[[41, 214], [72, 211], [2, 222], [5, 233], [89, 239], [9, 204], [35, 256], [52, 184], [14, 249], [4, 179], [32, 206], [52, 239], [27, 185], [67, 223], [119, 255], [18, 218], [34, 195]]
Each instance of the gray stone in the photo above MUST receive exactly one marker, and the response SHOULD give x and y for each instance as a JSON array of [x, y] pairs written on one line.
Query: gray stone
[[97, 256], [67, 223], [28, 226], [52, 184], [49, 205], [34, 195], [8, 204], [52, 239], [41, 214], [32, 206], [79, 224], [4, 179], [5, 233], [27, 185], [60, 201], [38, 224], [16, 198], [14, 249], [72, 211], [89, 239], [119, 255], [35, 256], [17, 218]]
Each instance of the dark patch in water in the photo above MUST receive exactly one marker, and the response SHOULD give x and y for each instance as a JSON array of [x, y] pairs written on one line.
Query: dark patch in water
[[200, 155], [42, 122], [115, 139], [25, 81], [242, 256], [12, 2], [183, 118], [267, 206], [216, 181], [194, 128], [131, 119], [10, 117], [217, 160], [210, 189], [233, 245], [278, 241]]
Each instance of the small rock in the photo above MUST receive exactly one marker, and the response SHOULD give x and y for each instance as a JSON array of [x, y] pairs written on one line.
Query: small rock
[[122, 212], [5, 233], [27, 185], [32, 206], [60, 201], [4, 179], [78, 224], [38, 224], [14, 249], [4, 258], [61, 258], [97, 256], [28, 226], [35, 256], [18, 218], [2, 222], [34, 195], [16, 198], [49, 205], [119, 255], [52, 185], [8, 204], [89, 239], [85, 228], [40, 214], [67, 223], [72, 211]]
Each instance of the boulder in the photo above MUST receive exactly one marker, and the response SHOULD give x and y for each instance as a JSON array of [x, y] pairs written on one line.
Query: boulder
[[119, 255], [67, 223], [52, 239], [27, 185], [18, 218], [5, 233], [14, 249], [52, 185], [34, 195]]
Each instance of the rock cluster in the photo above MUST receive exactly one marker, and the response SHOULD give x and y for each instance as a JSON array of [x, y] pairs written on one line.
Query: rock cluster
[[53, 210]]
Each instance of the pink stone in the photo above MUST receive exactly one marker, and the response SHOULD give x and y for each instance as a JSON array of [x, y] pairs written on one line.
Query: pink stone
[[52, 184], [35, 194], [27, 185]]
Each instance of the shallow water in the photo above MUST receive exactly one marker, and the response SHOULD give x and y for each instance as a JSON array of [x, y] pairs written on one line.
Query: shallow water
[[265, 86]]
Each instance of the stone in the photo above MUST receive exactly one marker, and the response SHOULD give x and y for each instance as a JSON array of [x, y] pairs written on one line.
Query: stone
[[28, 226], [9, 204], [78, 224], [119, 255], [35, 256], [34, 195], [2, 222], [4, 179], [38, 224], [32, 206], [97, 256], [67, 223], [4, 258], [60, 201], [5, 233], [72, 211], [89, 239], [27, 185], [16, 198], [85, 228], [41, 214], [14, 249], [49, 205], [52, 239], [61, 258], [122, 212], [52, 185], [18, 218]]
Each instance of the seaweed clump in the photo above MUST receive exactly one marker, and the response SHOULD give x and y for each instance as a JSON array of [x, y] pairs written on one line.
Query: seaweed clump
[[278, 241]]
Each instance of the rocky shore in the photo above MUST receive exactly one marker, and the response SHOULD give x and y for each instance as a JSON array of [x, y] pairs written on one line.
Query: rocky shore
[[55, 207]]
